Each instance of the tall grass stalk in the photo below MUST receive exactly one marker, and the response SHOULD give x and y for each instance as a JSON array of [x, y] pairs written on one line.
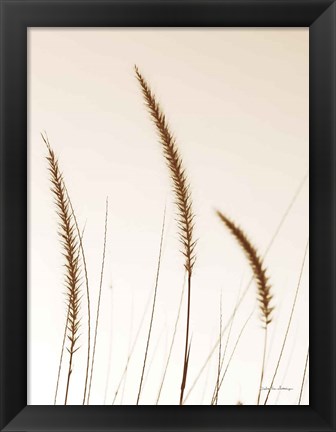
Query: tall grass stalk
[[70, 245], [264, 295], [183, 200]]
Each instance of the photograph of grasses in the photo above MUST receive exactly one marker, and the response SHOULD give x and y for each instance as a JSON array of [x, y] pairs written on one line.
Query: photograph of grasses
[[168, 238]]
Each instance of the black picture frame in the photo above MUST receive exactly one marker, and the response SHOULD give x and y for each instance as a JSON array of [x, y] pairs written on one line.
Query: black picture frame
[[16, 17]]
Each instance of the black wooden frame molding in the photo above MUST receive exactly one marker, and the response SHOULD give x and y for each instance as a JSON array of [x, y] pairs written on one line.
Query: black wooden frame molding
[[16, 17]]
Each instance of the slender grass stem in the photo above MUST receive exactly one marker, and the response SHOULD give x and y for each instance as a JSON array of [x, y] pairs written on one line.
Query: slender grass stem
[[69, 375], [219, 351], [304, 377], [109, 359], [186, 356], [205, 386], [263, 365], [124, 373], [289, 323], [288, 363], [153, 306], [155, 350], [61, 356], [234, 349], [226, 343], [128, 352], [98, 306], [172, 342]]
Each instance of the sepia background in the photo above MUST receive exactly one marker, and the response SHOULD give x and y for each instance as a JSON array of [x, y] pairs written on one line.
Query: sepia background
[[237, 102]]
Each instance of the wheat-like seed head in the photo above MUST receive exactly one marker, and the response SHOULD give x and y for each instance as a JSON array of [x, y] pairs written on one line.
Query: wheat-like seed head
[[181, 187], [70, 245], [257, 265]]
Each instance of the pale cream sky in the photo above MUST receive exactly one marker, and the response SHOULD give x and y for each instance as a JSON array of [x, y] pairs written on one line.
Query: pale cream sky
[[237, 102]]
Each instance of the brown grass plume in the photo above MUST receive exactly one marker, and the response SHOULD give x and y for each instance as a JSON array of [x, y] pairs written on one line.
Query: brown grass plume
[[70, 245], [262, 281], [183, 200], [258, 268]]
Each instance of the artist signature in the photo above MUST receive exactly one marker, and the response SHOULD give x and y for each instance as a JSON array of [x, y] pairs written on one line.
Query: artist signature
[[280, 388]]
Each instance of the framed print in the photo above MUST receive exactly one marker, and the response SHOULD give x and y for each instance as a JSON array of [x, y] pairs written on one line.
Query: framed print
[[167, 247]]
